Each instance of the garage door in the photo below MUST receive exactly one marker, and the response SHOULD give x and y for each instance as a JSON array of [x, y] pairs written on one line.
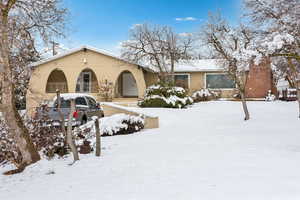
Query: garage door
[[129, 85]]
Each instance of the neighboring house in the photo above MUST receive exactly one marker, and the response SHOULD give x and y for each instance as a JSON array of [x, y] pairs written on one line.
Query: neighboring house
[[196, 74], [207, 73], [81, 70]]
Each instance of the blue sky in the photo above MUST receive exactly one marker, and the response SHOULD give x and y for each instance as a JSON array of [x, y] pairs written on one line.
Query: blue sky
[[105, 23]]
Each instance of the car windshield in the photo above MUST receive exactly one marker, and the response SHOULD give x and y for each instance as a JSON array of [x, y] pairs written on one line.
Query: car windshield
[[92, 103]]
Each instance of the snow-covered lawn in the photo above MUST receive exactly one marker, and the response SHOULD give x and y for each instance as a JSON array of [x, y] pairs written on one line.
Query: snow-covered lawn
[[204, 152]]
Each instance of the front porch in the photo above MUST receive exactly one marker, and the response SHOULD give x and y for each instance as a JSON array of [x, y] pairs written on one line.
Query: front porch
[[86, 70], [124, 91]]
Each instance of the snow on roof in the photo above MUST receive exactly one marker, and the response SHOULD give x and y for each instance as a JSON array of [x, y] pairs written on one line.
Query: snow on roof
[[71, 51], [182, 66], [198, 66]]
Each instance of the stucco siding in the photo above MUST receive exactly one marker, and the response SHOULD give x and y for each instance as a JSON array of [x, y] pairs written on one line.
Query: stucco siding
[[197, 82], [104, 67], [150, 78]]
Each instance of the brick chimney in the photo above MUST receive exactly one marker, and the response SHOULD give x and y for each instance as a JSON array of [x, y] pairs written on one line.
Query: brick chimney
[[260, 80]]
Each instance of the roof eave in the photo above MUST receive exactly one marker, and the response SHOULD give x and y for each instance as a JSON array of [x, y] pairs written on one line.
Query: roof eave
[[47, 60], [207, 70]]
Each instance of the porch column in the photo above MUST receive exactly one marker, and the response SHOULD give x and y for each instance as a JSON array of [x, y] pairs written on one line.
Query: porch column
[[140, 80], [71, 77]]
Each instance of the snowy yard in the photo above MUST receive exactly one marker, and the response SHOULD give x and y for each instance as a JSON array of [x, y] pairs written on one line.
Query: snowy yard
[[204, 152]]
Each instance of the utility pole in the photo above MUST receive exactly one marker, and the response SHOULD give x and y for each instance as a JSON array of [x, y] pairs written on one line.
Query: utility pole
[[54, 45]]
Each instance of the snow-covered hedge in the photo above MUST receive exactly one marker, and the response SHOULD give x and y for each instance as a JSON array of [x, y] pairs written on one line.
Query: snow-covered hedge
[[8, 149], [50, 141], [118, 124], [166, 97], [204, 95], [47, 138]]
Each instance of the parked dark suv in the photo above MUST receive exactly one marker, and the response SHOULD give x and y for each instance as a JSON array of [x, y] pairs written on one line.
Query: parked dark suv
[[85, 105]]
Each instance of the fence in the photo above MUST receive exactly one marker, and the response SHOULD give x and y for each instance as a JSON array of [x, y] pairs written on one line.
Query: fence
[[288, 95]]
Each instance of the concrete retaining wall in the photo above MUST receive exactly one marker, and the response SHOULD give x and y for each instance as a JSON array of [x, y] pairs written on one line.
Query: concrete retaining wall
[[111, 109]]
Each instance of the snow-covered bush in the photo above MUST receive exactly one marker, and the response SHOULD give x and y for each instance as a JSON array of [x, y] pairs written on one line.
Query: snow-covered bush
[[8, 149], [121, 124], [45, 134], [270, 96], [118, 124], [50, 140], [204, 95], [166, 97], [106, 90]]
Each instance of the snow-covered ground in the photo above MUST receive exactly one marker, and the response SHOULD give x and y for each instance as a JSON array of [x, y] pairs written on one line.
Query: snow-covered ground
[[204, 152]]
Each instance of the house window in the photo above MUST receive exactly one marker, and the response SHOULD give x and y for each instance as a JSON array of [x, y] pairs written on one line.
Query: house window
[[182, 80], [219, 81]]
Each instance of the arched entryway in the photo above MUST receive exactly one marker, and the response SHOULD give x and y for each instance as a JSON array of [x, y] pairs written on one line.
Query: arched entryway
[[87, 82], [126, 85], [57, 81]]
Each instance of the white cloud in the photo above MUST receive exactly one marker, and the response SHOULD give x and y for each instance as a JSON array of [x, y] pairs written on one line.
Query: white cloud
[[135, 25], [185, 34], [185, 19]]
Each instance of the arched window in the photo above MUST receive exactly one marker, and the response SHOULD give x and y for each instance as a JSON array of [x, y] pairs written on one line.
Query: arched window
[[126, 85], [87, 82], [57, 81]]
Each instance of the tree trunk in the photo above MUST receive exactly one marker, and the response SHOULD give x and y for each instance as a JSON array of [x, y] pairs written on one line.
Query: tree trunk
[[70, 140], [98, 138], [10, 113], [245, 108], [298, 98], [162, 77], [172, 71]]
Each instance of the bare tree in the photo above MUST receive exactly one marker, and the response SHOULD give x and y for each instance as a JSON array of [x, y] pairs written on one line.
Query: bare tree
[[176, 48], [30, 21], [231, 45], [157, 46], [106, 90], [279, 27]]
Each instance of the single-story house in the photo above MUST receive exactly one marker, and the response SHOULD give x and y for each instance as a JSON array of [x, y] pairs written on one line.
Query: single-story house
[[207, 73], [81, 70]]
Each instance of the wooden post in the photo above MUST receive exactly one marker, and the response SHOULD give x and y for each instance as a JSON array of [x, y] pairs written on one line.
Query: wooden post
[[62, 118], [98, 138], [70, 140]]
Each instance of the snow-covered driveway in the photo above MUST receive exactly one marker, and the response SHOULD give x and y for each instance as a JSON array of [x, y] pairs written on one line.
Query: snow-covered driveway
[[203, 152]]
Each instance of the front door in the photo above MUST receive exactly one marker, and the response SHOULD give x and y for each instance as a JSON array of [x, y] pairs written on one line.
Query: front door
[[129, 86], [84, 82]]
